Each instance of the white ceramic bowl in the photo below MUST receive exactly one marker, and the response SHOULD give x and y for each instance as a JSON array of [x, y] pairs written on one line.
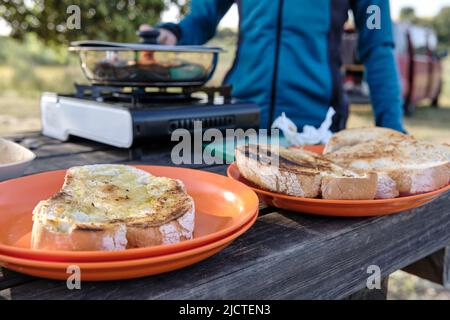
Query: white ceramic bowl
[[14, 159]]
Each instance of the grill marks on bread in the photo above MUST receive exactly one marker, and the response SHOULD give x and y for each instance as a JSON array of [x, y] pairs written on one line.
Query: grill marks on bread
[[102, 200], [301, 173], [303, 162]]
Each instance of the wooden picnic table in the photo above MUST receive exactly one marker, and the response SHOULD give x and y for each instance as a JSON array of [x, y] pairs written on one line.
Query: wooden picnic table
[[285, 255]]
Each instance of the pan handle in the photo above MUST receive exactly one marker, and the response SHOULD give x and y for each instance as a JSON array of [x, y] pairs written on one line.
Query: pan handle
[[149, 36]]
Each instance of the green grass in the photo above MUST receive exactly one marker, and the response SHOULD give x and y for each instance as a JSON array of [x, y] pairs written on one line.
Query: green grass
[[31, 80], [427, 123], [226, 59], [20, 89]]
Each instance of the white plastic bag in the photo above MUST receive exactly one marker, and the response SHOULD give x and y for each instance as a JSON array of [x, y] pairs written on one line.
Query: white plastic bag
[[310, 134]]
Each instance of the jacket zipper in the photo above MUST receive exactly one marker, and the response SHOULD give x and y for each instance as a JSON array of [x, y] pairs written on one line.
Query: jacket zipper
[[275, 71]]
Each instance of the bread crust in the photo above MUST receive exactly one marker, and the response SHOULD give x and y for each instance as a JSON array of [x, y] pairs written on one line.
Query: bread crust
[[413, 181], [386, 187], [114, 236], [174, 231], [276, 178], [303, 178], [404, 167], [149, 229], [349, 188], [107, 239]]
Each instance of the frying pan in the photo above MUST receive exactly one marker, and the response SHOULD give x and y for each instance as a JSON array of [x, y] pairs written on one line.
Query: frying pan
[[146, 63]]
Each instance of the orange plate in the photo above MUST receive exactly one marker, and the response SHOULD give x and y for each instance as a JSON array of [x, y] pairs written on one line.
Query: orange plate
[[343, 208], [318, 148], [126, 269], [222, 207]]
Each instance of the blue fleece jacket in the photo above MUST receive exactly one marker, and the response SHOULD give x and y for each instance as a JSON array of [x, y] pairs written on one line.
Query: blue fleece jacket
[[288, 57]]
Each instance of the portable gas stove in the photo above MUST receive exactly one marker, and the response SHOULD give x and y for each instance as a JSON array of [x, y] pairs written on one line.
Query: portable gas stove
[[121, 116]]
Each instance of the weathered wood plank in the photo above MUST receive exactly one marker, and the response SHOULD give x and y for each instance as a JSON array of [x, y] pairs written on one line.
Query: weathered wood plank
[[53, 154], [50, 150], [21, 135], [163, 157], [45, 146], [285, 255], [66, 161], [9, 279]]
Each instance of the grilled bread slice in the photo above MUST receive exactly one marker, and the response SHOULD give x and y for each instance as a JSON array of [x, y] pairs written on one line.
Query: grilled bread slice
[[113, 207], [404, 166], [350, 137], [302, 173]]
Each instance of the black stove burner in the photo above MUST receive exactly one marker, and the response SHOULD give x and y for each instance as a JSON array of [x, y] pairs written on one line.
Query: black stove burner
[[140, 96]]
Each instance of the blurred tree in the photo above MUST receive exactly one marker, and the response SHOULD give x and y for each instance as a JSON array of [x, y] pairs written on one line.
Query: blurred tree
[[183, 6], [441, 24], [113, 20], [407, 14]]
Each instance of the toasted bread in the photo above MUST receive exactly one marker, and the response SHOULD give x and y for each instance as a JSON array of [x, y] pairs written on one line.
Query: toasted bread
[[302, 173], [404, 166], [350, 137], [113, 207]]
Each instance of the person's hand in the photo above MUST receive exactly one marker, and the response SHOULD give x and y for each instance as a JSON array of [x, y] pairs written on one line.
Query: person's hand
[[165, 36]]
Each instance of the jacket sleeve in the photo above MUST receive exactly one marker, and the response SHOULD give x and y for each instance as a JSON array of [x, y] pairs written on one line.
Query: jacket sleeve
[[376, 50], [200, 24]]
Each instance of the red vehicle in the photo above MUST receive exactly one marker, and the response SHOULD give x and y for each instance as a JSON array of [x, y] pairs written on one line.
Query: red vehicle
[[419, 63]]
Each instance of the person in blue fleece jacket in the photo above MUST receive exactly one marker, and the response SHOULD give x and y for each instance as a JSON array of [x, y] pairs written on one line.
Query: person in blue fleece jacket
[[288, 57]]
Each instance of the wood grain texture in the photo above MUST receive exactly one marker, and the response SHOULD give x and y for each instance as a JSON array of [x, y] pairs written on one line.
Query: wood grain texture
[[70, 160], [285, 255], [17, 137], [10, 278]]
